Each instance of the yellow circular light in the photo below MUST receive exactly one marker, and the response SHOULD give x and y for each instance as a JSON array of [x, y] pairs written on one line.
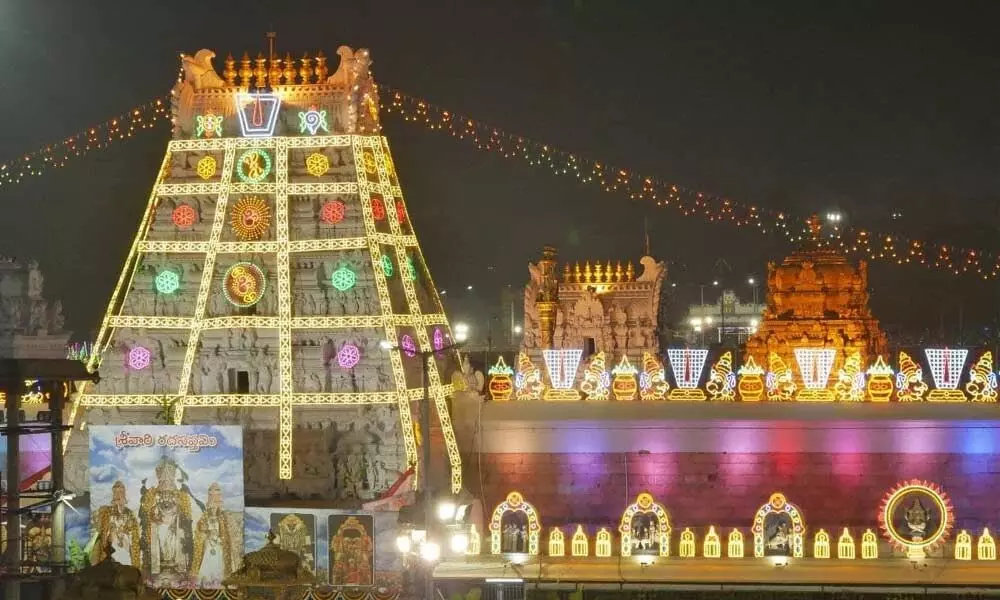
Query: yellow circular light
[[206, 167], [317, 164], [251, 218]]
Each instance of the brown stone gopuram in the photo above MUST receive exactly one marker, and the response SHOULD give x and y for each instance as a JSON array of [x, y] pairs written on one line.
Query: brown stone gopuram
[[816, 298]]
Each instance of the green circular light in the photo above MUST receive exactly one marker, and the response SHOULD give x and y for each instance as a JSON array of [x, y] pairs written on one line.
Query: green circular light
[[167, 281], [387, 265], [411, 271], [253, 166], [343, 279]]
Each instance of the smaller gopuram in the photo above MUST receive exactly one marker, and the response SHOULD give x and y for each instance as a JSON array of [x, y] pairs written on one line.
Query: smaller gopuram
[[817, 299], [30, 325], [593, 308]]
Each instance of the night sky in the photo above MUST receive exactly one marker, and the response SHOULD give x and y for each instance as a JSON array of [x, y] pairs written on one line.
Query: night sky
[[865, 107]]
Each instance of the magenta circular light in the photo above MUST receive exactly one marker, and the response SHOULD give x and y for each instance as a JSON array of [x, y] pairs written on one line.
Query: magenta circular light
[[139, 358], [348, 356], [409, 347], [438, 339]]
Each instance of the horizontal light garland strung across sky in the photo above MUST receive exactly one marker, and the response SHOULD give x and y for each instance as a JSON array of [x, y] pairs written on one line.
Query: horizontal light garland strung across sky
[[884, 247]]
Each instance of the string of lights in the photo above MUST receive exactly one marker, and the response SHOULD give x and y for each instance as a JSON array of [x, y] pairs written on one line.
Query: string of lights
[[796, 229]]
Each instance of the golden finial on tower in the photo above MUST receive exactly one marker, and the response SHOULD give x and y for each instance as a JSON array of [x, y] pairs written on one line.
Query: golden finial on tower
[[289, 71], [260, 71], [598, 274], [306, 71], [566, 273], [274, 74], [630, 272], [618, 272], [245, 71], [588, 275], [320, 67], [229, 73], [607, 272], [577, 274]]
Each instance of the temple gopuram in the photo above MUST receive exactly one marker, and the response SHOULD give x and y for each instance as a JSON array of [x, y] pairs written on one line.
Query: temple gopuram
[[817, 299]]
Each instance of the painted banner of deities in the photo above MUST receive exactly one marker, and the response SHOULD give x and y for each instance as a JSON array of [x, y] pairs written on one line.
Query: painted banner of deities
[[168, 499]]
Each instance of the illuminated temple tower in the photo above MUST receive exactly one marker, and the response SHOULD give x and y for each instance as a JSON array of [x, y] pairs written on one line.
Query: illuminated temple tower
[[275, 255], [817, 299]]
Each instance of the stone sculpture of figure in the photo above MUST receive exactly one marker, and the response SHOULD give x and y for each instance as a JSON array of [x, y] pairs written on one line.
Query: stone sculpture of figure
[[56, 321], [35, 280], [37, 322], [217, 367], [198, 70]]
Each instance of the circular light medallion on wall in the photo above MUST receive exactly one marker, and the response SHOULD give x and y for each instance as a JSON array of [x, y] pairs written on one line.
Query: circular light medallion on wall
[[253, 166], [349, 356], [438, 338], [378, 209], [400, 212], [167, 281], [387, 265], [244, 284], [317, 164], [139, 358], [251, 217], [343, 279], [332, 212], [206, 167], [184, 216], [411, 270]]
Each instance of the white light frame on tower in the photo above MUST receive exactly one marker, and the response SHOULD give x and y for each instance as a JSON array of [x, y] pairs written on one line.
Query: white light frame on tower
[[687, 388], [561, 365], [372, 148], [953, 360], [247, 129], [818, 361]]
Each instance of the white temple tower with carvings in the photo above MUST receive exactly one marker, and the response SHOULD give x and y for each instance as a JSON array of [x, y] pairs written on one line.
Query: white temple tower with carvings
[[30, 325], [275, 254]]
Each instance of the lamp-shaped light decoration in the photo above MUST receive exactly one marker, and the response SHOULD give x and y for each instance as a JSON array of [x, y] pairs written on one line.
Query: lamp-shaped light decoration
[[501, 381], [711, 545], [780, 381], [963, 546], [624, 383], [910, 386], [653, 379], [845, 546], [946, 366], [751, 386], [869, 545], [982, 385], [821, 544], [735, 549], [579, 546], [880, 382], [557, 542], [687, 547], [602, 543], [850, 386], [986, 548], [721, 379], [596, 382], [528, 381], [475, 541]]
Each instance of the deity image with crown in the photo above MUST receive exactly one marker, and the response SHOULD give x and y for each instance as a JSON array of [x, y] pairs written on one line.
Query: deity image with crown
[[982, 385], [721, 379], [850, 385], [910, 385], [780, 380], [916, 516]]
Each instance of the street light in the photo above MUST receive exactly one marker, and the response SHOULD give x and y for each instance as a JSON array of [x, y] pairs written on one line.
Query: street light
[[461, 332], [518, 329]]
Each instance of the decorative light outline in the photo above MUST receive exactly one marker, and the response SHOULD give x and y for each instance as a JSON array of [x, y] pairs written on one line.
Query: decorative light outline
[[946, 361], [312, 120], [437, 339], [208, 125], [687, 365], [645, 504], [378, 209], [264, 128], [254, 294], [343, 278], [408, 345], [206, 167], [139, 357], [167, 281], [387, 265], [515, 502], [184, 216], [561, 365], [265, 169], [778, 503], [317, 164], [332, 212], [937, 496], [246, 207], [815, 366], [348, 356]]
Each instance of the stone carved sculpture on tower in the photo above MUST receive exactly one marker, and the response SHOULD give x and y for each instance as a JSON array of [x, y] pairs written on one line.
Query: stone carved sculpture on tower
[[276, 253], [597, 307], [30, 326], [816, 299]]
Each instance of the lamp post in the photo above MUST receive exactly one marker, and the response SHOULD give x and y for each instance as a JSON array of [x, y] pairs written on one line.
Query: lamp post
[[418, 542]]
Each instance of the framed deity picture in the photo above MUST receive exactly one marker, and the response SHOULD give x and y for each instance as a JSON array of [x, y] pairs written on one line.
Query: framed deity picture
[[296, 533], [352, 549]]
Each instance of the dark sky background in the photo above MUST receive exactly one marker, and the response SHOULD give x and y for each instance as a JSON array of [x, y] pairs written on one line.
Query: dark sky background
[[867, 107]]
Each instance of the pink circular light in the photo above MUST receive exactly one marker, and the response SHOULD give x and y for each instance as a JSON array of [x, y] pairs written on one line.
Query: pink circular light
[[348, 356], [409, 347], [139, 358], [438, 338]]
